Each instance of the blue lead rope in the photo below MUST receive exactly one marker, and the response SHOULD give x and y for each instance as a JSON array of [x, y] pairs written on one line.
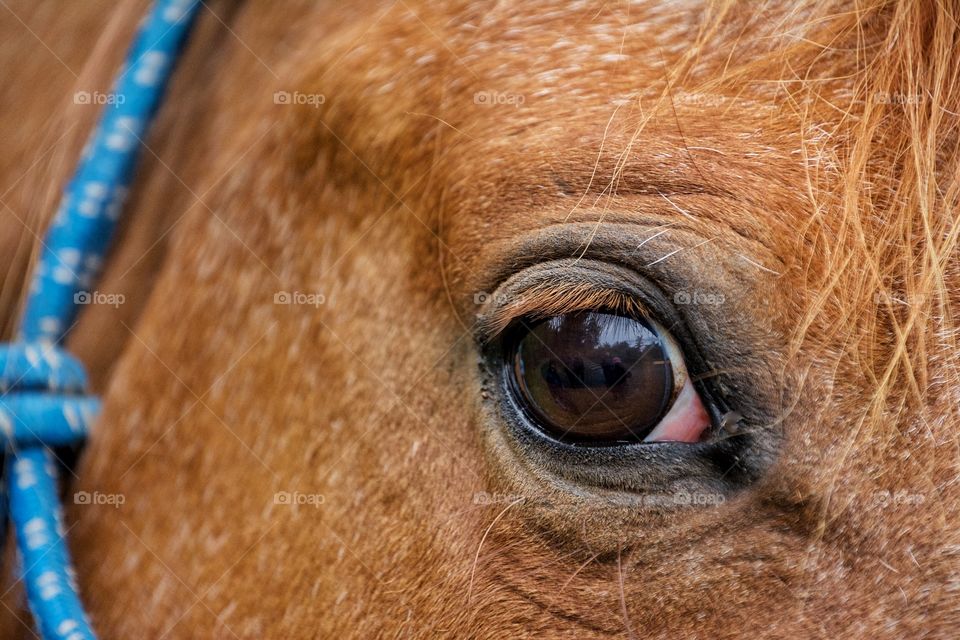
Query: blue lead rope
[[42, 401]]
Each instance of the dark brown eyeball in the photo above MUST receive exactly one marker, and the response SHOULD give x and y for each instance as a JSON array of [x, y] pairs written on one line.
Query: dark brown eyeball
[[595, 377]]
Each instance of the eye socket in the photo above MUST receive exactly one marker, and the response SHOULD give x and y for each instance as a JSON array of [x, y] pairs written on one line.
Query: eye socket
[[599, 378]]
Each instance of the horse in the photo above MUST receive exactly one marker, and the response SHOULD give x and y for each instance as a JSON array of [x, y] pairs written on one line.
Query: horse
[[337, 337]]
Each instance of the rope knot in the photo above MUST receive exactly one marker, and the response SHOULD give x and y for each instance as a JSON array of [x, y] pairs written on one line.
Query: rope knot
[[42, 399]]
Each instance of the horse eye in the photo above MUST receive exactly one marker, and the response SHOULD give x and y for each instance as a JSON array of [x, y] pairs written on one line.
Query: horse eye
[[592, 377]]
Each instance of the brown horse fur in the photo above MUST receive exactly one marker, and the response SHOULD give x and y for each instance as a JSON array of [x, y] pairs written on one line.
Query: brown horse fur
[[801, 158]]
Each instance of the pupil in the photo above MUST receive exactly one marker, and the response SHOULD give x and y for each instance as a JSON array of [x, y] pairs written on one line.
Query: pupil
[[593, 376]]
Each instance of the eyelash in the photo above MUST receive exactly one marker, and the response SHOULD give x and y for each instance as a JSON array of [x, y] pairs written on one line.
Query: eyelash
[[542, 302]]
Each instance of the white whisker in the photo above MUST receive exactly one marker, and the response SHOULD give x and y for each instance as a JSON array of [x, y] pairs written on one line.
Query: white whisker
[[760, 266]]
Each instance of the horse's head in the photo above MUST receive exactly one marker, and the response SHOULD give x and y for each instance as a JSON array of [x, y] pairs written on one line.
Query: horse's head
[[407, 284]]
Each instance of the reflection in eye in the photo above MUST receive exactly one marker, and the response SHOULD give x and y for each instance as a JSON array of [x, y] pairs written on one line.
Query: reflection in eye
[[595, 377]]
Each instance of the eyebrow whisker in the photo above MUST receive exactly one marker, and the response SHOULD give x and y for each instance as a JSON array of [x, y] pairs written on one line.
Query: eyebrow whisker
[[674, 205], [760, 266], [662, 258], [676, 251], [657, 234]]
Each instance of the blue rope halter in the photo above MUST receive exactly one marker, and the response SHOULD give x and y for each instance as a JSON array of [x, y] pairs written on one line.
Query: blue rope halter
[[42, 401]]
